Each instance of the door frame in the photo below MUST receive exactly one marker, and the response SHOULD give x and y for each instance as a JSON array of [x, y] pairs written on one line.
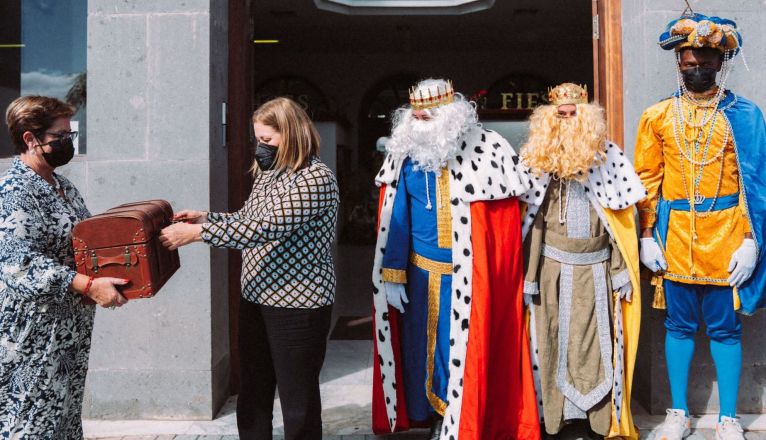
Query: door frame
[[240, 107], [607, 65]]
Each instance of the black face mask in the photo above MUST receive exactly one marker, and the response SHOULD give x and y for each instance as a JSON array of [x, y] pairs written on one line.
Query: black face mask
[[265, 155], [699, 79], [62, 151]]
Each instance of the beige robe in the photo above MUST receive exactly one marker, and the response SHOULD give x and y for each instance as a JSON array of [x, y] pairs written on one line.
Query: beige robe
[[570, 269]]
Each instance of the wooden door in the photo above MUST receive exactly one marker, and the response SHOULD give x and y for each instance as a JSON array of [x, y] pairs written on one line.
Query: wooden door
[[607, 64], [240, 107]]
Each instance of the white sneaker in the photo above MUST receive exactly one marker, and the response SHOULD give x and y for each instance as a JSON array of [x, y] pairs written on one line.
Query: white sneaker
[[675, 427], [729, 429]]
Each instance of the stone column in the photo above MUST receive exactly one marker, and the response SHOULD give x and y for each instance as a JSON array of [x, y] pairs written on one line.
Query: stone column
[[157, 78]]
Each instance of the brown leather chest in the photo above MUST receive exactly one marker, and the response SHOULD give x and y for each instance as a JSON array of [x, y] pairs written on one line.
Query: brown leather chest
[[123, 242]]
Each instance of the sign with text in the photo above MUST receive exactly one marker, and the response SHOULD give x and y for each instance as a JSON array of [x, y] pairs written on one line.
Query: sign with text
[[512, 97]]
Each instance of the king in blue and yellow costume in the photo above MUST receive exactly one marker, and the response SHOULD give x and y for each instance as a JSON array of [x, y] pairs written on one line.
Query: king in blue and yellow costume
[[698, 154], [450, 237]]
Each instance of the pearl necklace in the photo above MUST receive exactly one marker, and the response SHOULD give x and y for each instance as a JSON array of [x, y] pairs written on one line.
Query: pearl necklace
[[686, 152], [687, 155]]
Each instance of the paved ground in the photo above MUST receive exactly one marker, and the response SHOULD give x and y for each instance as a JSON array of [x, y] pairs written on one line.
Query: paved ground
[[346, 395], [700, 434], [346, 389]]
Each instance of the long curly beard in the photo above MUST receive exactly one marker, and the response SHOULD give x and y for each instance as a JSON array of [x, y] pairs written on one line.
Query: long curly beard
[[430, 144], [566, 147]]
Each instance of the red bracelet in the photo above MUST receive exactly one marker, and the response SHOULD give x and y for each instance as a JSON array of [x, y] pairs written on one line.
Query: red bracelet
[[87, 286]]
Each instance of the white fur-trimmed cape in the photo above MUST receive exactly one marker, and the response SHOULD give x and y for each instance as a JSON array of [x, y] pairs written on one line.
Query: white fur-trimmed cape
[[613, 184]]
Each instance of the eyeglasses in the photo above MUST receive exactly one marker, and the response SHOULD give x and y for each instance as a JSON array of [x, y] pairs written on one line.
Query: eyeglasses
[[69, 135]]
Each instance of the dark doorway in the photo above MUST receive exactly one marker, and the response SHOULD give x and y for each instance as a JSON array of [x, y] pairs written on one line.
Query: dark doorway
[[503, 57]]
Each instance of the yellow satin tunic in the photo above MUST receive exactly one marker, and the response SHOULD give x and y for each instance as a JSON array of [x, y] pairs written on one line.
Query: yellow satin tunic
[[701, 258]]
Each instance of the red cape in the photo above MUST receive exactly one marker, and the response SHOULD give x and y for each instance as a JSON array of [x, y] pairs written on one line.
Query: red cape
[[498, 389]]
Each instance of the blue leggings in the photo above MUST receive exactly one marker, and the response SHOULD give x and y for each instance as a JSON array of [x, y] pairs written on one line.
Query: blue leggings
[[682, 320]]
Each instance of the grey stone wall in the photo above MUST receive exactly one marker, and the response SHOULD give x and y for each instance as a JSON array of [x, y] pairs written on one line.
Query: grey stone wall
[[648, 78], [157, 75]]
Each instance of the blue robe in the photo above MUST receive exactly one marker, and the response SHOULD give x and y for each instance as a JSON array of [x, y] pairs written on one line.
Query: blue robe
[[415, 230]]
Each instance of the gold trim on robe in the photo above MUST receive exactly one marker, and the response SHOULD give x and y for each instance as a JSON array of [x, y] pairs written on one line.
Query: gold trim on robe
[[443, 213], [436, 270], [394, 276]]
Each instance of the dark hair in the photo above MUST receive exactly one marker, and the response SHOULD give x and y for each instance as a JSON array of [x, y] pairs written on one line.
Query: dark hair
[[35, 114]]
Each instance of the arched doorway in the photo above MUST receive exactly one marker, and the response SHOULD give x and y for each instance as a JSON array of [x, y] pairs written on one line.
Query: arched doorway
[[297, 88]]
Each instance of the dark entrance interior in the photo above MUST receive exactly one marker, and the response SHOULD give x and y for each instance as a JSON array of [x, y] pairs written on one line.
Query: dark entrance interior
[[352, 71]]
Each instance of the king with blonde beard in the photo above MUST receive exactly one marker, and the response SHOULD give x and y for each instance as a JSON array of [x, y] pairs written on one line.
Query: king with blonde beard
[[447, 278], [580, 260]]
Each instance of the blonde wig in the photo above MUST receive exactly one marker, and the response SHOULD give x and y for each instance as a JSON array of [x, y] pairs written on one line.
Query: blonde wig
[[565, 147], [300, 139]]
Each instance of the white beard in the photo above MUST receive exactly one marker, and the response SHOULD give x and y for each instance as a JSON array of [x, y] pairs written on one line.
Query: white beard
[[431, 144]]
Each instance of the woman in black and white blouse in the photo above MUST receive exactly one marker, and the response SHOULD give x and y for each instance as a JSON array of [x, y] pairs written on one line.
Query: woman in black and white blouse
[[286, 230]]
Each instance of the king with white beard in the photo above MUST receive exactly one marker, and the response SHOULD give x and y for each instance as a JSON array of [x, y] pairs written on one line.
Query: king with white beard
[[448, 277]]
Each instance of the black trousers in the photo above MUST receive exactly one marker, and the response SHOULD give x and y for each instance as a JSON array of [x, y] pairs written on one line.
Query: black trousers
[[285, 347]]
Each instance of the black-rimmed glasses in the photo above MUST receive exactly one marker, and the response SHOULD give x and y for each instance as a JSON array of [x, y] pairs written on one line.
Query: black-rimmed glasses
[[66, 136]]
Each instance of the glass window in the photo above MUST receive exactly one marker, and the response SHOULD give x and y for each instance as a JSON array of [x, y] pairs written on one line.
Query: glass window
[[43, 47]]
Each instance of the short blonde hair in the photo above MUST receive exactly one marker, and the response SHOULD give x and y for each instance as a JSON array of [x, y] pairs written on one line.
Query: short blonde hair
[[35, 114], [300, 139]]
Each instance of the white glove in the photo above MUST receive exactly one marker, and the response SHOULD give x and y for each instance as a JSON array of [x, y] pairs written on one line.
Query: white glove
[[651, 255], [742, 263], [396, 295], [527, 299], [626, 292]]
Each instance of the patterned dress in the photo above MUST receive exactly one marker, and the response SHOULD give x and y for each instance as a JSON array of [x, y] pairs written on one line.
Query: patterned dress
[[45, 328]]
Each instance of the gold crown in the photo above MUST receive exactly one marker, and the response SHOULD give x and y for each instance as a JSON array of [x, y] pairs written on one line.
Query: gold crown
[[568, 93], [422, 98]]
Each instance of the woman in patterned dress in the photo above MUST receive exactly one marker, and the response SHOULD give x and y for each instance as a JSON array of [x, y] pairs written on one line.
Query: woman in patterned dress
[[286, 231], [46, 307]]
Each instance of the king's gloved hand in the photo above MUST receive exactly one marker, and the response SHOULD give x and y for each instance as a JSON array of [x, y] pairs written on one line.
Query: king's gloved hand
[[626, 292], [396, 295], [742, 263], [651, 255]]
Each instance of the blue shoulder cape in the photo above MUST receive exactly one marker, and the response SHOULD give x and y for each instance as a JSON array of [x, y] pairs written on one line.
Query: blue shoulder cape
[[749, 130]]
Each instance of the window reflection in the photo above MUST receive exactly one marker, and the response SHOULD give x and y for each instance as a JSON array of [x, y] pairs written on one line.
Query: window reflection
[[51, 59]]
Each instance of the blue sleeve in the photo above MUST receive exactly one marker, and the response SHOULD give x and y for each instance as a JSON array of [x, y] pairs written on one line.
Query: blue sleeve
[[396, 256]]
